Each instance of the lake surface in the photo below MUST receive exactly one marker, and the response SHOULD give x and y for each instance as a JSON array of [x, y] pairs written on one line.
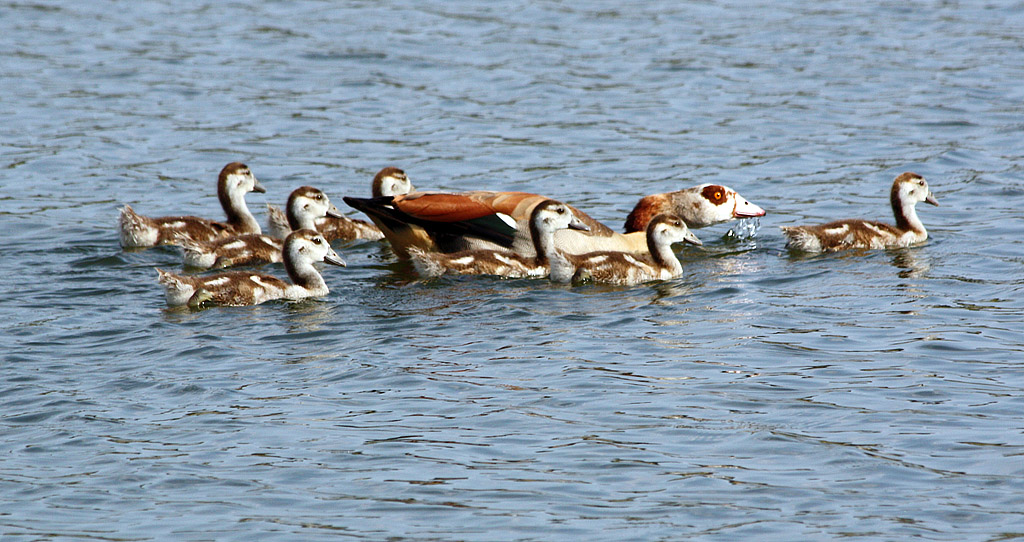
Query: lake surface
[[762, 396]]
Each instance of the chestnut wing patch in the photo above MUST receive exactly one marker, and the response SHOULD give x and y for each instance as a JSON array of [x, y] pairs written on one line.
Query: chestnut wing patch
[[439, 214]]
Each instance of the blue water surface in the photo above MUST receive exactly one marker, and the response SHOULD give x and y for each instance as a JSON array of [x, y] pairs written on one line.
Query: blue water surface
[[764, 395]]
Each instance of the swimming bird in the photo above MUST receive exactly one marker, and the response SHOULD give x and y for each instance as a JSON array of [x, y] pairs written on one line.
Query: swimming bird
[[234, 182], [301, 249], [547, 218], [389, 181], [625, 268], [908, 189], [449, 222], [305, 205]]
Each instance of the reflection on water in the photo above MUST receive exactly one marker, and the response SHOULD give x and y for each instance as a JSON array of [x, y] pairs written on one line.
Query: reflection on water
[[310, 316], [913, 263]]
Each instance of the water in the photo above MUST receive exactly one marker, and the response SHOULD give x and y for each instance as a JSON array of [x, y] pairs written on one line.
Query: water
[[764, 395]]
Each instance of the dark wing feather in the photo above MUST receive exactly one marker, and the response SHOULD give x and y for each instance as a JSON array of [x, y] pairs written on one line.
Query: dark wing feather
[[438, 216]]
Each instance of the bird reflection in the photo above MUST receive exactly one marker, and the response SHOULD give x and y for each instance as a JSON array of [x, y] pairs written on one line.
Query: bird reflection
[[912, 265]]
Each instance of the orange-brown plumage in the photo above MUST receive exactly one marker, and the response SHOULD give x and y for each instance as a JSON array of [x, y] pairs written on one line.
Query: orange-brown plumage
[[441, 207]]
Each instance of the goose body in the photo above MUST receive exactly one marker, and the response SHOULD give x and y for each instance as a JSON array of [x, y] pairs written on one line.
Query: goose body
[[305, 205], [439, 222], [234, 182], [908, 189], [389, 181], [546, 218], [628, 268], [301, 249]]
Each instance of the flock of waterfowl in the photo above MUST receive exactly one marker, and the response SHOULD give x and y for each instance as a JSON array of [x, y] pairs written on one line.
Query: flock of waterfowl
[[507, 234]]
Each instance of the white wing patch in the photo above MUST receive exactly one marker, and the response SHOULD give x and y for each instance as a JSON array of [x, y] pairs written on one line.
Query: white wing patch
[[508, 220], [878, 231], [841, 230], [505, 259], [220, 281], [259, 280]]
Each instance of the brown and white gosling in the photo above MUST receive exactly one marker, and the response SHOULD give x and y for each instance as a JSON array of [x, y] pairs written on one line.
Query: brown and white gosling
[[389, 181], [305, 205], [302, 248], [907, 191], [235, 181], [547, 217], [629, 268]]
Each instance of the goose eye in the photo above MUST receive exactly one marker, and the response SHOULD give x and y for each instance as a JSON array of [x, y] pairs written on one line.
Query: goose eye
[[718, 194]]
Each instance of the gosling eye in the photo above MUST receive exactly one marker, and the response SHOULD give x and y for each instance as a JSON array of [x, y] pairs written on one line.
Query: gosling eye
[[319, 197], [317, 240]]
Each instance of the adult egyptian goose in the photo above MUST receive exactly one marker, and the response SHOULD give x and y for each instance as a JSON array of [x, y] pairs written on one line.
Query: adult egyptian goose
[[907, 191], [626, 268], [301, 249], [389, 181], [305, 205], [234, 182], [437, 222], [699, 206], [547, 218]]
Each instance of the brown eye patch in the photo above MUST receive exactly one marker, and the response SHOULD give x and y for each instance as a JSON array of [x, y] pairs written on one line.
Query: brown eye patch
[[714, 193]]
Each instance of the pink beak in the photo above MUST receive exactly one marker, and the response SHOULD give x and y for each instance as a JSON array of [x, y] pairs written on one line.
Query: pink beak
[[745, 209]]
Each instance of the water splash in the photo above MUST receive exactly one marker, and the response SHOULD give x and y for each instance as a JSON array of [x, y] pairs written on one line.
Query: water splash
[[745, 229]]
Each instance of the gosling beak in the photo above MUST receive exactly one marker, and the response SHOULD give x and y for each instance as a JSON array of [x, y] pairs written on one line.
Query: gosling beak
[[745, 209], [257, 187], [333, 212], [577, 224], [931, 199], [692, 239], [333, 259]]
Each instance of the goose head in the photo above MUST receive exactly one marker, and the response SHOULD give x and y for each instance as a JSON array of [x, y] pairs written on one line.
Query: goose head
[[550, 216], [668, 229], [911, 188], [237, 178], [391, 181], [308, 246], [306, 204], [700, 206]]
